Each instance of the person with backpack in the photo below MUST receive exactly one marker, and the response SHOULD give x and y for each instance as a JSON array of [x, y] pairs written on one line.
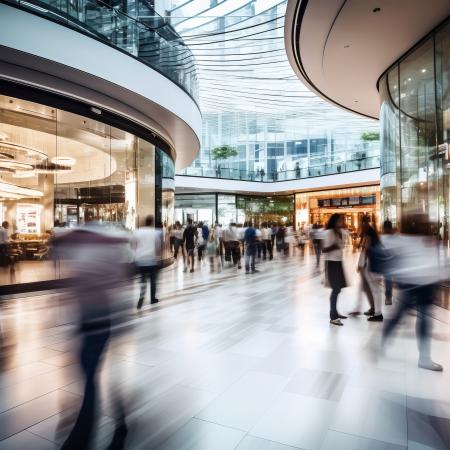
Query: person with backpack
[[333, 246]]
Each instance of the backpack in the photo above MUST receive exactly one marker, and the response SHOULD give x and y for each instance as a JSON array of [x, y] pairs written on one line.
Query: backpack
[[380, 259]]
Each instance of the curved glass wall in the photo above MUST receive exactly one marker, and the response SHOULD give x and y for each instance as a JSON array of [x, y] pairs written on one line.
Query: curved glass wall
[[415, 124], [131, 26], [60, 170]]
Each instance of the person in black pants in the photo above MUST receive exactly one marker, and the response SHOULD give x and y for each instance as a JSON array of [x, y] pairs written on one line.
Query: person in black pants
[[333, 250], [98, 271], [147, 243], [190, 239]]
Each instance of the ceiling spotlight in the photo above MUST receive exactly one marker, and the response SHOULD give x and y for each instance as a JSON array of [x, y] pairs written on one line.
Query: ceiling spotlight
[[356, 101], [423, 70], [376, 10], [347, 46]]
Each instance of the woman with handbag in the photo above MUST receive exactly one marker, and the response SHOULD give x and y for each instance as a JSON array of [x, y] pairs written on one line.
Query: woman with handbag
[[333, 251]]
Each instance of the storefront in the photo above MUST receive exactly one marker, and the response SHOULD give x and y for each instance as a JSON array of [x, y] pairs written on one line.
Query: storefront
[[353, 203], [415, 135], [60, 168], [227, 208]]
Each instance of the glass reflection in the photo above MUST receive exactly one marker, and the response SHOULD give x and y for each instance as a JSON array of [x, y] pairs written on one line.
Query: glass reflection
[[59, 170]]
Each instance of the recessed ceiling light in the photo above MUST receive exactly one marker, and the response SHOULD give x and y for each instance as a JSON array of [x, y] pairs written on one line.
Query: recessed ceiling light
[[376, 10], [423, 70], [409, 79], [356, 101], [63, 160], [346, 46]]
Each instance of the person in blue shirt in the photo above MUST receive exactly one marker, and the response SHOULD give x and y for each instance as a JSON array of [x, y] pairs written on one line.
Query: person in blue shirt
[[250, 241]]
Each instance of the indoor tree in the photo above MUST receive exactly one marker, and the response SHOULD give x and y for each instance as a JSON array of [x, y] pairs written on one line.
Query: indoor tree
[[222, 153]]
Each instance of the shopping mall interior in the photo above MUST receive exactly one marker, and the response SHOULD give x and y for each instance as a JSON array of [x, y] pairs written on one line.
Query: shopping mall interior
[[224, 224]]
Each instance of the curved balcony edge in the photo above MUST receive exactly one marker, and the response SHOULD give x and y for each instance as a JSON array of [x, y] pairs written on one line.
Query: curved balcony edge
[[347, 179], [56, 58], [158, 57]]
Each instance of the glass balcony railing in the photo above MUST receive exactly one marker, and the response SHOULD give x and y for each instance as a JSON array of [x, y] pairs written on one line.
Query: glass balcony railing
[[139, 32], [295, 174]]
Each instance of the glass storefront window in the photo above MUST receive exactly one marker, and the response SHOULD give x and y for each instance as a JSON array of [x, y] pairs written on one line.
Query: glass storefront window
[[61, 170], [415, 105]]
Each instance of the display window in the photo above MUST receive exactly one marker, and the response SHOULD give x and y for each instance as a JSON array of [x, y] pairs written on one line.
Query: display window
[[60, 170]]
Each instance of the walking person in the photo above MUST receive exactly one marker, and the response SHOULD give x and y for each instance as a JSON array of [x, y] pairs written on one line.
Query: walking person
[[250, 242], [177, 234], [417, 270], [98, 260], [202, 239], [147, 243], [333, 250], [190, 240], [389, 241], [212, 250], [317, 238], [371, 280]]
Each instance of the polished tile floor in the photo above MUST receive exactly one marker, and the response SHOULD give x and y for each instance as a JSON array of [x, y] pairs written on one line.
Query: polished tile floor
[[228, 361]]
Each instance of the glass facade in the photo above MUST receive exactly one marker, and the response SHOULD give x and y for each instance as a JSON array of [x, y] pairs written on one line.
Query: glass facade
[[252, 100], [133, 27], [415, 111], [228, 208], [60, 169]]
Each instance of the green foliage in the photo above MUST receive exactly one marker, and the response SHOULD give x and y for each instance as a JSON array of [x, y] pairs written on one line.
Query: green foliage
[[370, 136], [223, 152]]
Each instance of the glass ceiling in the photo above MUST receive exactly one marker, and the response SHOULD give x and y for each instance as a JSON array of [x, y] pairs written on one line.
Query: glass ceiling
[[244, 72]]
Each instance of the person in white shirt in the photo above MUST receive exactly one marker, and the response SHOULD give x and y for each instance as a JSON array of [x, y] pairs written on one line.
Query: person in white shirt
[[147, 244], [177, 234], [333, 245]]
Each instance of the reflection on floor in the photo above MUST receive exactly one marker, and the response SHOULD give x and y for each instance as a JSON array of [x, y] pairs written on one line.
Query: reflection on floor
[[229, 361]]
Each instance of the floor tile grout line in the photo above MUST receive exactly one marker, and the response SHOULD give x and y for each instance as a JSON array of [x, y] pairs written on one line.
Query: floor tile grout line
[[370, 439]]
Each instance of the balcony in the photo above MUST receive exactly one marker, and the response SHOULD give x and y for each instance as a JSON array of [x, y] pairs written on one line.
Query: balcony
[[138, 32]]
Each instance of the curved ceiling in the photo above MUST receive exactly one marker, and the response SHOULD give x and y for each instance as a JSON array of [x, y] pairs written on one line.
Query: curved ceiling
[[339, 48], [242, 65]]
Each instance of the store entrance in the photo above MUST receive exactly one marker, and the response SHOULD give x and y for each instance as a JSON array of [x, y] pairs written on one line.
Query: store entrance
[[353, 217]]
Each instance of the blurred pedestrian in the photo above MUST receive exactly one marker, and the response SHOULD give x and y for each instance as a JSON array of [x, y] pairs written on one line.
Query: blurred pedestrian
[[317, 238], [333, 250], [388, 239], [202, 239], [99, 267], [370, 250], [250, 241], [417, 271], [147, 244], [177, 233], [190, 241]]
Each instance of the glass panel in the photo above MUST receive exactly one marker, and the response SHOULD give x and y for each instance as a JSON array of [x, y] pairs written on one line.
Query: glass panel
[[133, 27], [390, 145], [442, 41], [418, 135], [146, 180], [28, 141], [59, 170]]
